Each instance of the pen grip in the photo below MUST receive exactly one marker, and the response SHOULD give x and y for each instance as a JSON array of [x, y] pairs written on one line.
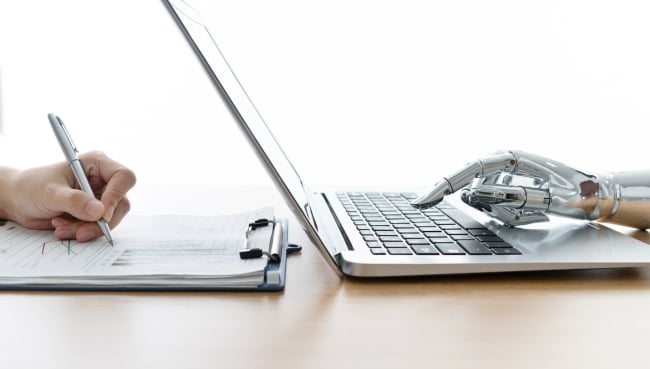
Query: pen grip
[[80, 176]]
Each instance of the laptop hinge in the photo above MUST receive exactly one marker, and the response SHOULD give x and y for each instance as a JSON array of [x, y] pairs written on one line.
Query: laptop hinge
[[310, 216], [344, 235]]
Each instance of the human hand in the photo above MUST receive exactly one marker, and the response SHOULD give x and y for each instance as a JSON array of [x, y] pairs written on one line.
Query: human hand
[[49, 197], [519, 188]]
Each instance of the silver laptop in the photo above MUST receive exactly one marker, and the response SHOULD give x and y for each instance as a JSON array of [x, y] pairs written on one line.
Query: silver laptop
[[377, 234]]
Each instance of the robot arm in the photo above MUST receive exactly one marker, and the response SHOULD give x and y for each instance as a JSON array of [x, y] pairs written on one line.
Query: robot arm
[[521, 188]]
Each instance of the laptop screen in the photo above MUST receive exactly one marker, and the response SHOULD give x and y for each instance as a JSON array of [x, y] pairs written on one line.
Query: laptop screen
[[267, 148]]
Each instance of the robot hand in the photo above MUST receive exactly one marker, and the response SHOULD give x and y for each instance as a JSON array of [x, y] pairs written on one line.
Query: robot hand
[[519, 188]]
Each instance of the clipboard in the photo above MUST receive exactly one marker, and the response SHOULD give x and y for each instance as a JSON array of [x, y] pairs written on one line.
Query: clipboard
[[275, 271], [147, 257]]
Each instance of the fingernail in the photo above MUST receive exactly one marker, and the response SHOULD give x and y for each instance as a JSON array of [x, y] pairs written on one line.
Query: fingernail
[[94, 209], [64, 234], [59, 222]]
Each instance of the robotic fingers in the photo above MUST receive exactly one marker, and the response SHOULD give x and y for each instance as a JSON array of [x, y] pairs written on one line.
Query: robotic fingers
[[493, 165]]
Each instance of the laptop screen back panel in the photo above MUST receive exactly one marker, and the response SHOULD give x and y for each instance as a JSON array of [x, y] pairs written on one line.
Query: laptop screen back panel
[[233, 94]]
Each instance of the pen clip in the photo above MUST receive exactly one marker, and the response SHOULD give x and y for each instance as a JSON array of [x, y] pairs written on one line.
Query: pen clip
[[67, 135]]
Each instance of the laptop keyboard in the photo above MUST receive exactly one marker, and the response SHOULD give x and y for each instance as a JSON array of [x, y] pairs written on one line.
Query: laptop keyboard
[[390, 225]]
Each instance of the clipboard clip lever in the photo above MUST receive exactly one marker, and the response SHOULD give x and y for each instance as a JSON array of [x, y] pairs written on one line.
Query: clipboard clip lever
[[273, 251]]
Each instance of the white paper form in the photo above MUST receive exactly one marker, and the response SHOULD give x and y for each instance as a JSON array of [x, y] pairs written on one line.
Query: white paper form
[[150, 248]]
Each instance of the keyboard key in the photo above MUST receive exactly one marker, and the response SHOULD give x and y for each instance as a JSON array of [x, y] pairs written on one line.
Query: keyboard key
[[493, 238], [420, 241], [449, 248], [474, 247], [449, 226], [390, 238], [400, 226], [378, 224], [424, 224], [378, 251], [435, 212], [394, 244], [430, 229], [399, 221], [441, 239], [498, 244], [418, 218], [386, 233], [409, 210], [437, 234], [374, 218], [408, 236], [405, 231], [398, 251], [506, 251], [461, 218], [481, 232], [424, 250], [382, 228], [458, 237], [445, 222]]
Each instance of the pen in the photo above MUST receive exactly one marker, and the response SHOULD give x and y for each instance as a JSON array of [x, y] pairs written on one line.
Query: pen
[[70, 151]]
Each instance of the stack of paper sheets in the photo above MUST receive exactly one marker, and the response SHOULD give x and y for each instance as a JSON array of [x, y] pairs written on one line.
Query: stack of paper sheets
[[150, 251]]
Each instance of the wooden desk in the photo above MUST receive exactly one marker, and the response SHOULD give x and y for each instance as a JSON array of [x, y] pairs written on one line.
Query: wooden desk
[[573, 319]]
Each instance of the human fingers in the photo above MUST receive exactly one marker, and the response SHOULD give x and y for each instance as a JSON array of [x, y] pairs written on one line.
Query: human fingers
[[120, 212], [77, 203], [68, 229], [116, 178]]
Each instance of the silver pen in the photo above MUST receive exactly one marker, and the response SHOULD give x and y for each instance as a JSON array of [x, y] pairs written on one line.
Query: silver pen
[[70, 151]]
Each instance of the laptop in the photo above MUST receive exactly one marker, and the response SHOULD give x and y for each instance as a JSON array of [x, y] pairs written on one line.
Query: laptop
[[378, 234]]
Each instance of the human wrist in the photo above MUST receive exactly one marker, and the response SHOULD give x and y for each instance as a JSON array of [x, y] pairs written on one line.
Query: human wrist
[[631, 191], [608, 197], [7, 178]]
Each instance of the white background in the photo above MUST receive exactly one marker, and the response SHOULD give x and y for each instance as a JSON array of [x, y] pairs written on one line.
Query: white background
[[357, 92]]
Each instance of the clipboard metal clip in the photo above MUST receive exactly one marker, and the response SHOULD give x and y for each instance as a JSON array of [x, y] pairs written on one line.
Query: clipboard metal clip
[[275, 244]]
